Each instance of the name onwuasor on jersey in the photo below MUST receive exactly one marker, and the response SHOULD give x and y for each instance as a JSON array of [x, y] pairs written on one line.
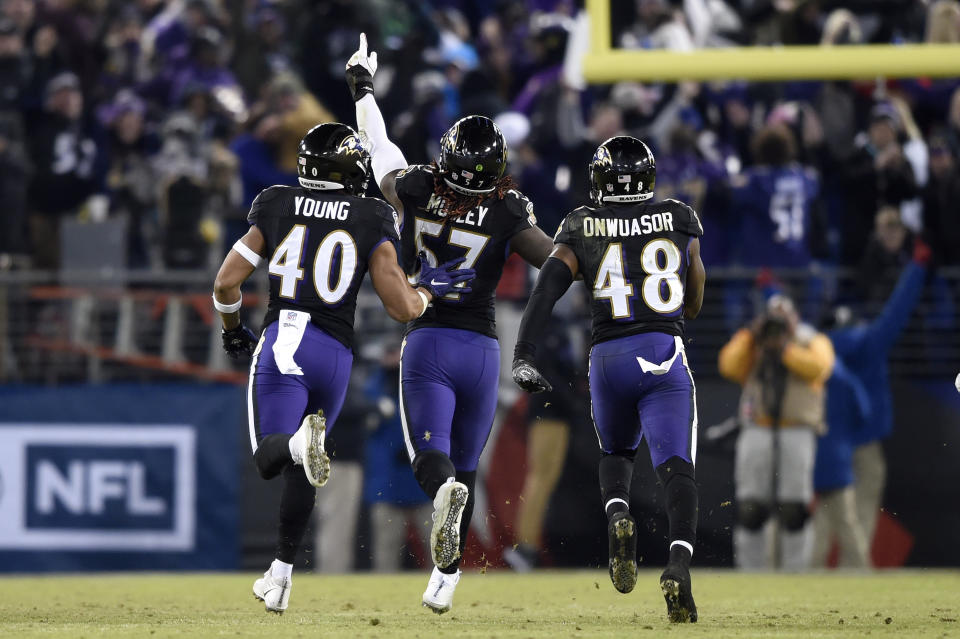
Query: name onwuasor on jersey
[[627, 227]]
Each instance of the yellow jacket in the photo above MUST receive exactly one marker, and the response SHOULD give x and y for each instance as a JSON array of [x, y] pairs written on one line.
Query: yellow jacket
[[809, 359]]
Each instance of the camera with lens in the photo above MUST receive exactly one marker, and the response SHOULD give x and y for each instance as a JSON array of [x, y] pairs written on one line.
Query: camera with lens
[[772, 328]]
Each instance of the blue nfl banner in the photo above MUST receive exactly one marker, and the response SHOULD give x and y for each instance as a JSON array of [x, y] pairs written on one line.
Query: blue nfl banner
[[119, 493]]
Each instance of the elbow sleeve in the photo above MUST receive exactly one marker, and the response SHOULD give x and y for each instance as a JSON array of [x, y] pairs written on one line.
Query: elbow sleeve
[[554, 280]]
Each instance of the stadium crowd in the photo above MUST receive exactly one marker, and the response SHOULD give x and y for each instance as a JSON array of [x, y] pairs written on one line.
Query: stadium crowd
[[167, 117]]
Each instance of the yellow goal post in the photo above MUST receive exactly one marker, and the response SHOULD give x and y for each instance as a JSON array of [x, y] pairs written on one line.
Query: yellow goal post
[[603, 64]]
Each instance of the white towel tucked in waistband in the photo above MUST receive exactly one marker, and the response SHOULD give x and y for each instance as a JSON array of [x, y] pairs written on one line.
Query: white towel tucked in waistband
[[289, 334], [663, 367]]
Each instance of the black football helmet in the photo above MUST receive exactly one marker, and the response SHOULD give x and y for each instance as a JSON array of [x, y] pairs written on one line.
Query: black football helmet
[[473, 155], [331, 156], [622, 170]]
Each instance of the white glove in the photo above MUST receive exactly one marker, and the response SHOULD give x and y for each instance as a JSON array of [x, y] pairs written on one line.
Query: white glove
[[368, 62]]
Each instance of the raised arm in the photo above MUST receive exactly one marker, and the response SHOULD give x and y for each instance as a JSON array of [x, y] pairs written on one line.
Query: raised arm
[[696, 278], [403, 302], [239, 264], [555, 278], [386, 158], [533, 245]]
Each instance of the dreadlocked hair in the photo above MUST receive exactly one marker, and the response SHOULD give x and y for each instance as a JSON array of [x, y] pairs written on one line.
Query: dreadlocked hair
[[456, 204]]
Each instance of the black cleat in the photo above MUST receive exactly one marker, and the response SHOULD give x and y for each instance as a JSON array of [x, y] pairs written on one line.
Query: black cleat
[[675, 584], [622, 531]]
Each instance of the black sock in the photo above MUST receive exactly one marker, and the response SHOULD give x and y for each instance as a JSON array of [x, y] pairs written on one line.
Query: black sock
[[296, 504], [680, 492], [469, 479], [432, 468], [616, 472], [273, 455]]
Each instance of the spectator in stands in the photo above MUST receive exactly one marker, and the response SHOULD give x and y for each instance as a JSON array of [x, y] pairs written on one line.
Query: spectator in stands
[[941, 219], [130, 172], [953, 123], [877, 173], [257, 152], [66, 161], [205, 65], [658, 27], [864, 350], [888, 250], [782, 366], [262, 52], [774, 205], [299, 112]]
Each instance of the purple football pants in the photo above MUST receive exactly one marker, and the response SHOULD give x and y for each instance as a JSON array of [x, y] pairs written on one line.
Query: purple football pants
[[658, 405], [277, 402], [448, 392]]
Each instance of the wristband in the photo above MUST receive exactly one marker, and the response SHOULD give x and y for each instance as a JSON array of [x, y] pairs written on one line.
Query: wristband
[[247, 253], [227, 308], [426, 302]]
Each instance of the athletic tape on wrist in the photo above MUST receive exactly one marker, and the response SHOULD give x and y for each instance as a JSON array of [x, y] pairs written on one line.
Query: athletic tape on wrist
[[426, 302], [227, 308], [247, 253]]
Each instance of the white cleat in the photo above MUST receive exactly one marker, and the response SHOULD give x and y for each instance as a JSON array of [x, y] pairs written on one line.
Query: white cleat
[[274, 592], [306, 448], [438, 596], [447, 512]]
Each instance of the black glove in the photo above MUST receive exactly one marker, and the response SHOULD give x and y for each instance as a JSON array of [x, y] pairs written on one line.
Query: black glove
[[239, 342], [527, 377], [360, 70], [440, 280]]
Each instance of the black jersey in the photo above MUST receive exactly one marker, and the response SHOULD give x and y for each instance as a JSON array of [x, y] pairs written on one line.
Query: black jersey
[[634, 262], [318, 244], [481, 236]]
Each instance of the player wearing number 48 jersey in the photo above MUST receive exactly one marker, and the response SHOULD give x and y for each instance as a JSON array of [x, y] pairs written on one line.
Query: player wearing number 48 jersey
[[641, 261], [320, 239], [461, 207]]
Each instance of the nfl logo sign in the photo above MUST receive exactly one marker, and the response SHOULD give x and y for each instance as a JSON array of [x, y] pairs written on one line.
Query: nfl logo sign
[[291, 316]]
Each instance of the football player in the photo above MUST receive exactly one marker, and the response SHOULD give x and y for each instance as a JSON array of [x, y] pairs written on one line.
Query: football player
[[641, 262], [319, 240], [462, 207]]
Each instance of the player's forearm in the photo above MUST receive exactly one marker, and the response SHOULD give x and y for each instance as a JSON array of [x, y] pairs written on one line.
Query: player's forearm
[[227, 300], [411, 305], [385, 156], [554, 280]]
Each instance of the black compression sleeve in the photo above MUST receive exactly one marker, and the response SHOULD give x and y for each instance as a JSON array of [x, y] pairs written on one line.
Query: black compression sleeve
[[554, 280]]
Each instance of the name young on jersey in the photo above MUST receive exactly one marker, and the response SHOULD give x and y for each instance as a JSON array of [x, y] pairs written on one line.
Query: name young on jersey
[[328, 209], [627, 227]]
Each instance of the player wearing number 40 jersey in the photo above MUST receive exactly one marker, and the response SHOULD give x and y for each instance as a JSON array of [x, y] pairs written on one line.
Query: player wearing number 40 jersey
[[462, 207], [641, 261], [320, 239]]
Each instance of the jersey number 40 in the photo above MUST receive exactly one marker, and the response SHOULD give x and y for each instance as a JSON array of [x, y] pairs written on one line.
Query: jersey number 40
[[285, 264], [612, 284]]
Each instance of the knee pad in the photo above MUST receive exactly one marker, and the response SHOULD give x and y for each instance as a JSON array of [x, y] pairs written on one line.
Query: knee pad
[[752, 515], [793, 516], [675, 467]]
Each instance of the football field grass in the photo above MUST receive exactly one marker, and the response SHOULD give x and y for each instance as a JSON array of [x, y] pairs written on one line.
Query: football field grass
[[552, 604]]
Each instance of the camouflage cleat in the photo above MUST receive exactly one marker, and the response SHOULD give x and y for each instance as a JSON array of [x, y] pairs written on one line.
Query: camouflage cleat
[[622, 531], [448, 508], [306, 448], [675, 584]]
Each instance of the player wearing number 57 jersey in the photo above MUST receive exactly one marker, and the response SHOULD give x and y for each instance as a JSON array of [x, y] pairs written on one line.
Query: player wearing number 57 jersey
[[462, 207], [641, 261], [319, 240]]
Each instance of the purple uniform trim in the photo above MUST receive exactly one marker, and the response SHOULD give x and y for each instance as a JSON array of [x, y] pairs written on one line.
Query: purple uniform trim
[[277, 403], [448, 392], [628, 404]]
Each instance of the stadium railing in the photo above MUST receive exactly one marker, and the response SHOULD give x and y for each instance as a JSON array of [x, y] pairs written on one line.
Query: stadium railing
[[134, 325]]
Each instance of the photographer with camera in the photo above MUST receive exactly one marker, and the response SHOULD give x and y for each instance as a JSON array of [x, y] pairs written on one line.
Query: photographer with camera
[[782, 365]]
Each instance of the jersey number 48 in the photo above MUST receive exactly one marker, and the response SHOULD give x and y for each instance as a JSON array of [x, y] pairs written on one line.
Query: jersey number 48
[[612, 284]]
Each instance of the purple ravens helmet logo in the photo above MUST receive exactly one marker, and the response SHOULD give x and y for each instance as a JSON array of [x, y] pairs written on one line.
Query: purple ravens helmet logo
[[602, 157], [449, 141], [350, 146]]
